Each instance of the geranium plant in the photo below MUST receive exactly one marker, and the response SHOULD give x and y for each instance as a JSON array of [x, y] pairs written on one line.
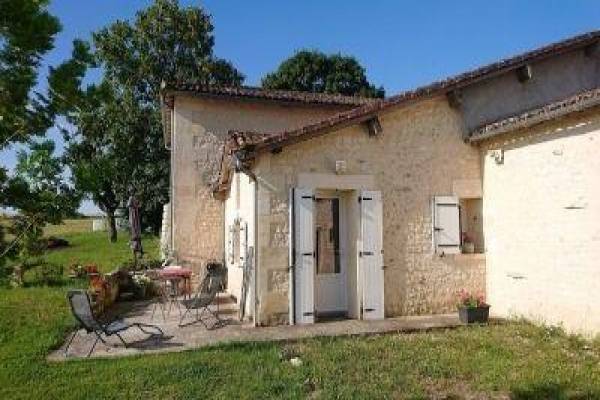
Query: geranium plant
[[471, 300]]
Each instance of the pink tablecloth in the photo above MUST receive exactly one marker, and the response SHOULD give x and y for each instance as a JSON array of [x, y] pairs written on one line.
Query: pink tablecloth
[[175, 272]]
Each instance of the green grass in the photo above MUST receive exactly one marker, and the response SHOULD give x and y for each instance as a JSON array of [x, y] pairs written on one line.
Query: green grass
[[95, 248], [69, 226], [514, 359], [87, 247]]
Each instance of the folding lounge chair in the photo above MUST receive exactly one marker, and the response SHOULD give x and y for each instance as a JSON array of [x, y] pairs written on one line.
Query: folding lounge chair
[[205, 295], [82, 311]]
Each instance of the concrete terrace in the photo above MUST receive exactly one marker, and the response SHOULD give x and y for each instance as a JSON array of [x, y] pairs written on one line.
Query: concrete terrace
[[195, 335]]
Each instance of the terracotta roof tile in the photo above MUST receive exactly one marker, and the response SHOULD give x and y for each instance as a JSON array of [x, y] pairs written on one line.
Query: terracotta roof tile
[[275, 95], [367, 111], [578, 102]]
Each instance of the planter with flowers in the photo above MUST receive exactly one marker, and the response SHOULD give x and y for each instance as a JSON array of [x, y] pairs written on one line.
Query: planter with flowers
[[472, 308], [142, 286], [468, 246]]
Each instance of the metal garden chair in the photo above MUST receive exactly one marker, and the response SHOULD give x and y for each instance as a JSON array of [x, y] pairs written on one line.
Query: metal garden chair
[[205, 295], [81, 308]]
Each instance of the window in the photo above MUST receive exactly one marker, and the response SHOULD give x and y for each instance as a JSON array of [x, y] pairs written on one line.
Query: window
[[457, 225], [471, 222]]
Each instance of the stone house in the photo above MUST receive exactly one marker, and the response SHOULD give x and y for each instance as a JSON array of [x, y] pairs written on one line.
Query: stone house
[[325, 205]]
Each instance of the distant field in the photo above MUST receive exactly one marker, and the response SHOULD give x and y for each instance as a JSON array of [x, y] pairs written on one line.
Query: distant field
[[69, 226]]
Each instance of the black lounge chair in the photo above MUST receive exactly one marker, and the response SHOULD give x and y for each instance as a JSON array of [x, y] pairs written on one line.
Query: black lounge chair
[[81, 308], [206, 294]]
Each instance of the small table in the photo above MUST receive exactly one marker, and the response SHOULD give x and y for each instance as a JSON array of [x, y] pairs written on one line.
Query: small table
[[175, 275]]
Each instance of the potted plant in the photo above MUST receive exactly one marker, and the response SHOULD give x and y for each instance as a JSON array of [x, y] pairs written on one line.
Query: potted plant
[[141, 284], [472, 308], [468, 246]]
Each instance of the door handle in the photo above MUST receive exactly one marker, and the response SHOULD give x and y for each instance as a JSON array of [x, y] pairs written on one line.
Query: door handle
[[366, 253], [308, 254]]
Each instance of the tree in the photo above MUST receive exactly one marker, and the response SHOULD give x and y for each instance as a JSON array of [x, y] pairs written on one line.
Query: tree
[[27, 32], [166, 42], [112, 152], [314, 71], [118, 145], [44, 196]]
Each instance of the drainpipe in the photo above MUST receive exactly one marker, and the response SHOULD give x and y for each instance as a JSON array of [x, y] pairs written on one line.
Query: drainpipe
[[292, 258], [239, 166]]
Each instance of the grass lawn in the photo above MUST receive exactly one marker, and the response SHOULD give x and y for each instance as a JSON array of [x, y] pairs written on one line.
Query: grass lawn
[[513, 360], [87, 247], [95, 248]]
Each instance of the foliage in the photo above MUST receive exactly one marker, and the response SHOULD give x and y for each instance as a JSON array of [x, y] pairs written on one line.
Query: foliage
[[470, 300], [118, 145], [40, 196], [166, 42], [27, 32], [314, 71], [48, 274]]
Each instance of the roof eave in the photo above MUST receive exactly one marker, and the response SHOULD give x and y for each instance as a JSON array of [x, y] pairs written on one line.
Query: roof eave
[[580, 102]]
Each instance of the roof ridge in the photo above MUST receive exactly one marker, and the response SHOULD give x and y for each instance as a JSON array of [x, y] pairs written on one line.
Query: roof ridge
[[269, 94], [366, 111]]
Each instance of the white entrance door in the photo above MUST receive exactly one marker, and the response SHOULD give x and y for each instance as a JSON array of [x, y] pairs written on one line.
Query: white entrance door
[[330, 271], [304, 256], [371, 273]]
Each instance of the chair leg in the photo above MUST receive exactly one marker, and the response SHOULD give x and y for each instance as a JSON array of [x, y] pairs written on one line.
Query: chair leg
[[94, 345], [70, 341], [183, 316], [121, 339]]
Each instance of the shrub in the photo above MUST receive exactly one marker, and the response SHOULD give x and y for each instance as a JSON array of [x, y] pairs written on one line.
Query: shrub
[[470, 300], [48, 274]]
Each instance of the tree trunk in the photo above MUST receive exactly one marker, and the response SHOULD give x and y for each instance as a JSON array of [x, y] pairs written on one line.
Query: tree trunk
[[112, 225]]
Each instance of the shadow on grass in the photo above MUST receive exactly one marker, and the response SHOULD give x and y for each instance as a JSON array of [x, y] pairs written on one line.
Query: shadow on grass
[[546, 391]]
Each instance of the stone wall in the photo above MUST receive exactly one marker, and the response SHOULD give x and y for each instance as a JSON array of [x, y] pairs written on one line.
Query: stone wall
[[200, 126], [420, 154], [541, 209]]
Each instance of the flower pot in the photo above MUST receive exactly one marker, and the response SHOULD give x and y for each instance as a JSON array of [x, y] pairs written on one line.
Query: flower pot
[[468, 248], [470, 315]]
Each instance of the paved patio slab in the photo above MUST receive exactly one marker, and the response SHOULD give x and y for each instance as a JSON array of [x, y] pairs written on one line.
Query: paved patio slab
[[195, 335]]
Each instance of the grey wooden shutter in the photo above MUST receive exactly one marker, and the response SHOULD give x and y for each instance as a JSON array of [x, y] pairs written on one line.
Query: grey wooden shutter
[[304, 268], [446, 225], [371, 255]]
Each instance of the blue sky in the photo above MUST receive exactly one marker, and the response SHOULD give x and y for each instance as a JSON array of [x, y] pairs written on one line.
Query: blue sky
[[401, 44]]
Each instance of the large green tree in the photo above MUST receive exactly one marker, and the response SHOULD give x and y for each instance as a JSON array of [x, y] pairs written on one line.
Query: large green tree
[[35, 190], [165, 42], [117, 145], [27, 32], [314, 71]]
